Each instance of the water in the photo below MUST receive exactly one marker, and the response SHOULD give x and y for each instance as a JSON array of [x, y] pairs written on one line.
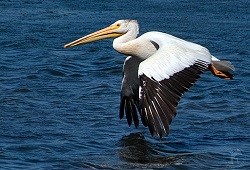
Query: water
[[59, 107]]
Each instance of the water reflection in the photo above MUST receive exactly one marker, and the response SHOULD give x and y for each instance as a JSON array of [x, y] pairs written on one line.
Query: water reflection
[[134, 148]]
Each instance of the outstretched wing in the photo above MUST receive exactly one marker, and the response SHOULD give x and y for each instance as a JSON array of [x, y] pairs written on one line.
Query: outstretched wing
[[164, 77]]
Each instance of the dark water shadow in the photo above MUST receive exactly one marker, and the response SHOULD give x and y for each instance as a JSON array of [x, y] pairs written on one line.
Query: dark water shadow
[[136, 150]]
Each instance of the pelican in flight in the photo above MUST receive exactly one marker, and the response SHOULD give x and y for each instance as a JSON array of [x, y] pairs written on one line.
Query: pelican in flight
[[158, 69]]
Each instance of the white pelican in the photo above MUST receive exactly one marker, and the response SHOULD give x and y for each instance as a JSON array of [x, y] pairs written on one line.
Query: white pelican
[[158, 70]]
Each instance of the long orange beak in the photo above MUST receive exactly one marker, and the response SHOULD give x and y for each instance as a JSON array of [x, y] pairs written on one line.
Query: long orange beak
[[109, 32]]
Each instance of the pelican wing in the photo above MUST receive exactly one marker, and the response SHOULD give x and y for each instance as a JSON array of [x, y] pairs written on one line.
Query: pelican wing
[[164, 77], [130, 90]]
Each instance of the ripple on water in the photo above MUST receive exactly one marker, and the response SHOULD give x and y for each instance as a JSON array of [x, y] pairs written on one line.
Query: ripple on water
[[23, 90]]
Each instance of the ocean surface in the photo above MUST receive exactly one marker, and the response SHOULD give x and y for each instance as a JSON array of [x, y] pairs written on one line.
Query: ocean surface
[[59, 107]]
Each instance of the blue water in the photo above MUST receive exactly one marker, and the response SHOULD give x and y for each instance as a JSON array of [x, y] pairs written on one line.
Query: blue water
[[59, 107]]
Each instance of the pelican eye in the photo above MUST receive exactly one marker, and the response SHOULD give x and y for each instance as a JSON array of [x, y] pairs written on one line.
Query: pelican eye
[[118, 25]]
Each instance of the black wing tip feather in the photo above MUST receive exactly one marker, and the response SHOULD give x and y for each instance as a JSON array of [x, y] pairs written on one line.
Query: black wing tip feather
[[121, 113], [152, 112], [128, 107]]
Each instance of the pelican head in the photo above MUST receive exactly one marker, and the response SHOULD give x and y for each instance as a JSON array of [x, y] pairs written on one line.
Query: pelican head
[[115, 30]]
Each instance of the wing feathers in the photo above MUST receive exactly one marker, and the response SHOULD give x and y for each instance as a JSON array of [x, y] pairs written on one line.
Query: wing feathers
[[128, 111], [122, 104], [165, 119], [155, 112], [129, 106], [148, 116], [134, 113], [160, 98], [129, 91]]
